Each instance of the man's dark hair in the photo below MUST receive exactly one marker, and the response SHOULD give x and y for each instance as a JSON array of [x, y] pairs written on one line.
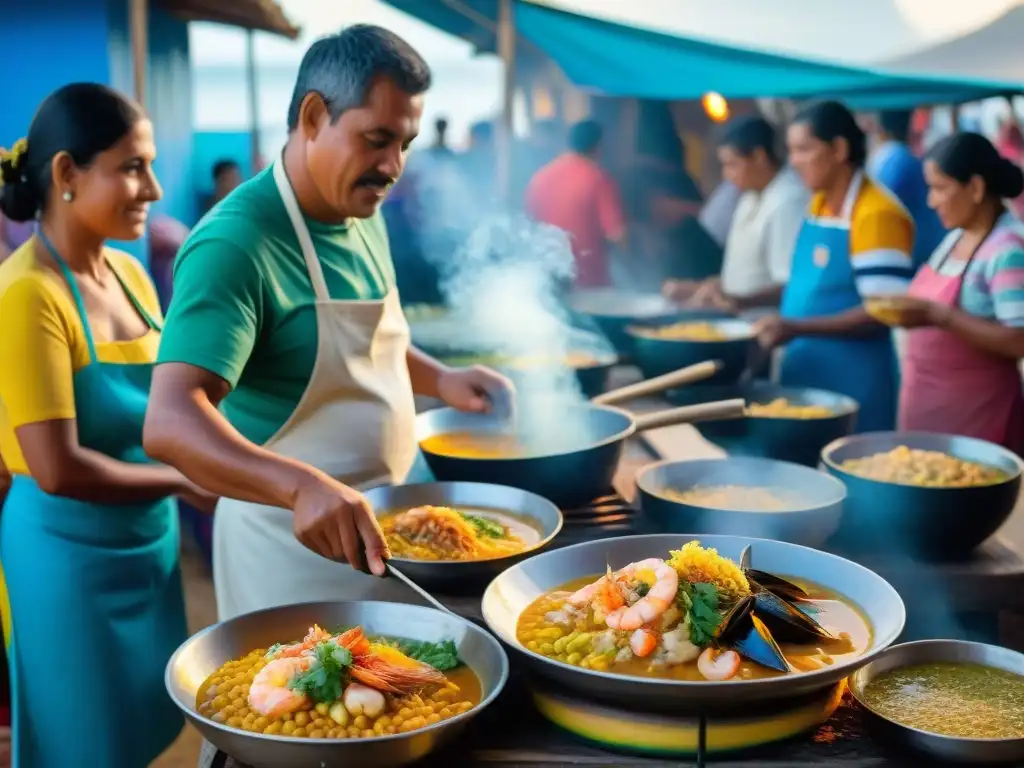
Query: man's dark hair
[[584, 136], [342, 67], [896, 123], [746, 134], [223, 167]]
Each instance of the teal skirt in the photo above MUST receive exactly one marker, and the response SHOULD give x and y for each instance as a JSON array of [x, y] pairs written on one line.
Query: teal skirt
[[95, 598]]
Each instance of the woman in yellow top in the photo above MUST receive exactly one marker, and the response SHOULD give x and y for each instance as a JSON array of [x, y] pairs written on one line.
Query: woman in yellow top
[[89, 533], [856, 243]]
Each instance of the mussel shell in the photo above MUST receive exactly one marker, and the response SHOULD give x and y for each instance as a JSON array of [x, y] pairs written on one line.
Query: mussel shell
[[787, 623], [746, 634], [787, 590]]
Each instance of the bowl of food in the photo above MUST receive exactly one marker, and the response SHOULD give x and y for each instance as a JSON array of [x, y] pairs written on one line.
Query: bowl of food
[[678, 622], [929, 495], [354, 683], [784, 423], [457, 536], [948, 699], [756, 497], [887, 310], [662, 347]]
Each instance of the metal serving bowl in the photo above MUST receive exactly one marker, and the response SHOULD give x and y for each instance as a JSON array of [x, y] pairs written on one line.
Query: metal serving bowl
[[926, 522], [787, 439], [203, 653], [970, 751], [655, 356], [467, 575], [510, 594], [817, 499]]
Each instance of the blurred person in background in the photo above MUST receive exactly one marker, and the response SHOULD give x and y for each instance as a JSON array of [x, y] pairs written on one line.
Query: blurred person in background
[[227, 175], [966, 306], [285, 378], [764, 230], [894, 166], [856, 243], [440, 146], [479, 165], [13, 234], [1010, 143], [89, 531], [717, 214], [166, 236], [574, 193]]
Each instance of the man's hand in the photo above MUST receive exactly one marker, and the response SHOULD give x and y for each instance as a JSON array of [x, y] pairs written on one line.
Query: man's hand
[[476, 389], [199, 498], [912, 312], [336, 521], [711, 296], [772, 331], [679, 290]]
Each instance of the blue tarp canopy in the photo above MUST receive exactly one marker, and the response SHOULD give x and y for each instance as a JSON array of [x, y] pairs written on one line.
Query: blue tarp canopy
[[624, 61]]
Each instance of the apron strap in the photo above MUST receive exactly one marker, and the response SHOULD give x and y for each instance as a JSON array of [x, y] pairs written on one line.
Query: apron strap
[[143, 312], [846, 214], [75, 293], [291, 205]]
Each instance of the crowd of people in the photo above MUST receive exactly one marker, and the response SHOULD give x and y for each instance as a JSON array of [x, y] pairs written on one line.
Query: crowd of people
[[281, 380]]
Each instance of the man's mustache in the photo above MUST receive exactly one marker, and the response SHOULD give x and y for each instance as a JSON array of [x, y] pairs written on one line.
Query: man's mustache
[[375, 180]]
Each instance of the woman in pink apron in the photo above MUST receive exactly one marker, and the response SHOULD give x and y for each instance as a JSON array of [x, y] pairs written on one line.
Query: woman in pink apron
[[966, 311]]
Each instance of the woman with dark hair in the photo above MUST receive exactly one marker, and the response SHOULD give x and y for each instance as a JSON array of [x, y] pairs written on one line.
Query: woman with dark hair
[[89, 531], [855, 243], [966, 305]]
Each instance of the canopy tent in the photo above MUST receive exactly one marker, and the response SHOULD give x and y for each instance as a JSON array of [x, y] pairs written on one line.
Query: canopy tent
[[259, 15], [619, 60], [993, 52]]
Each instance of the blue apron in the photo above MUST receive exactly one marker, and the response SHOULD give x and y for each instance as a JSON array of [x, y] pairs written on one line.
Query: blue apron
[[95, 594], [822, 283]]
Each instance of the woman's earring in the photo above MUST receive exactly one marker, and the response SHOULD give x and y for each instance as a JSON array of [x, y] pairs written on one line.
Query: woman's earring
[[68, 196]]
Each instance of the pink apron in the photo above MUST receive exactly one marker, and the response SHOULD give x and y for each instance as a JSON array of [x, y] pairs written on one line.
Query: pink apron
[[952, 386]]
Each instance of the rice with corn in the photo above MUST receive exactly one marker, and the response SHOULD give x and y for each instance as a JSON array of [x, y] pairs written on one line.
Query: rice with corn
[[696, 564]]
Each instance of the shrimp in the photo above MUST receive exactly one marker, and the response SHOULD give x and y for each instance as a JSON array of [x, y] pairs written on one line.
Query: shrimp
[[643, 642], [603, 595], [269, 693], [312, 638], [718, 665], [659, 598]]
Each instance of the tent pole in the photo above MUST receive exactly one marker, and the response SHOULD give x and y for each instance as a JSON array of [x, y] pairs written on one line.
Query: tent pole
[[254, 102], [138, 24], [507, 51]]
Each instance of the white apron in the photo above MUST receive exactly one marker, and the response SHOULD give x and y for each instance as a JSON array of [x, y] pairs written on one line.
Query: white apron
[[355, 422]]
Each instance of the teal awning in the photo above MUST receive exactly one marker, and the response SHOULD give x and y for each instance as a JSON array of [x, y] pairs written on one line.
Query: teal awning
[[619, 60]]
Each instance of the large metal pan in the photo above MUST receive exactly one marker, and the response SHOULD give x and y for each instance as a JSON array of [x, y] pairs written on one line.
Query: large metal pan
[[816, 499], [461, 576], [198, 657], [592, 377], [576, 475], [510, 593], [922, 521], [655, 355], [796, 440]]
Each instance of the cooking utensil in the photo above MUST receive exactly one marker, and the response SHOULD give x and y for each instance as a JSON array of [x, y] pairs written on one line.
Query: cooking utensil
[[509, 594], [450, 576], [816, 499], [927, 522], [199, 656], [968, 751], [655, 355], [434, 602], [595, 436], [786, 439]]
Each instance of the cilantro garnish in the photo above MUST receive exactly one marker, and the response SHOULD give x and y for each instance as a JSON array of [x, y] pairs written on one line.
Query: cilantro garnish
[[642, 588], [486, 527], [441, 656], [327, 675], [700, 603]]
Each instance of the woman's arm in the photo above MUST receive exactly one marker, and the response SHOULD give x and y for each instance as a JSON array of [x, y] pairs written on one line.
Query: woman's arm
[[991, 336], [852, 322]]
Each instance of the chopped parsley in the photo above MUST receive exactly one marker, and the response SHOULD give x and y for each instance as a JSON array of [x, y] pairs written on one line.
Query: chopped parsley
[[441, 656], [642, 589], [699, 602], [327, 675], [486, 527]]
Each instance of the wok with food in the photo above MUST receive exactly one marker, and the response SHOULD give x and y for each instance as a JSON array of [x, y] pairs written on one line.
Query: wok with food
[[670, 621], [744, 496], [320, 683], [457, 536], [930, 494], [948, 699], [612, 310], [785, 423], [665, 346]]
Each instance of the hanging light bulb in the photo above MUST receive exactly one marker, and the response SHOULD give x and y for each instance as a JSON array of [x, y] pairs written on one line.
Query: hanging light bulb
[[715, 106]]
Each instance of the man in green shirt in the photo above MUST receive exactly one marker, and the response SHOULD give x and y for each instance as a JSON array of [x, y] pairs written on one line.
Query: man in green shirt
[[285, 377]]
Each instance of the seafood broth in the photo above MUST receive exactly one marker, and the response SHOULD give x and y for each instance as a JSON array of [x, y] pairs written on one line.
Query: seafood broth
[[340, 686], [466, 533], [491, 445], [715, 625], [961, 699]]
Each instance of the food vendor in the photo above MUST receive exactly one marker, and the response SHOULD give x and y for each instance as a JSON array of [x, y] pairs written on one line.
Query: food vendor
[[764, 229], [285, 379], [966, 305], [855, 243], [89, 532]]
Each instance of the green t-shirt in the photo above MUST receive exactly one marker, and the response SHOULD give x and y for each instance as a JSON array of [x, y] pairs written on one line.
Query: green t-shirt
[[243, 302]]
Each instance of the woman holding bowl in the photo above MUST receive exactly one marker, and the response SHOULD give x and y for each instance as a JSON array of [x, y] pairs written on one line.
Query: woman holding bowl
[[966, 305], [855, 243]]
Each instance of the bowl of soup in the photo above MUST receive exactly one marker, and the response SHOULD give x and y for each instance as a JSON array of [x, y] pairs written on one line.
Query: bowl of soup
[[667, 346]]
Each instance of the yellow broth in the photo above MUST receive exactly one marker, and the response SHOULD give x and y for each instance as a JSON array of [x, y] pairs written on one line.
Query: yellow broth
[[556, 641], [781, 408], [521, 533], [490, 445], [932, 469], [687, 331], [224, 698], [961, 699], [737, 498]]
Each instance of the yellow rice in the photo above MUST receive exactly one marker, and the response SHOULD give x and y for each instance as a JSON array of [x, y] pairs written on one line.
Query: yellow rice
[[696, 564]]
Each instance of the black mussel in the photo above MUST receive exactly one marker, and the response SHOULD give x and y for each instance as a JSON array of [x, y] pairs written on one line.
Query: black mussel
[[741, 631], [787, 590], [787, 623]]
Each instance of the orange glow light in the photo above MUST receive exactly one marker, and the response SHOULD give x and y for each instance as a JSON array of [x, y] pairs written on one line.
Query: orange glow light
[[715, 107]]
